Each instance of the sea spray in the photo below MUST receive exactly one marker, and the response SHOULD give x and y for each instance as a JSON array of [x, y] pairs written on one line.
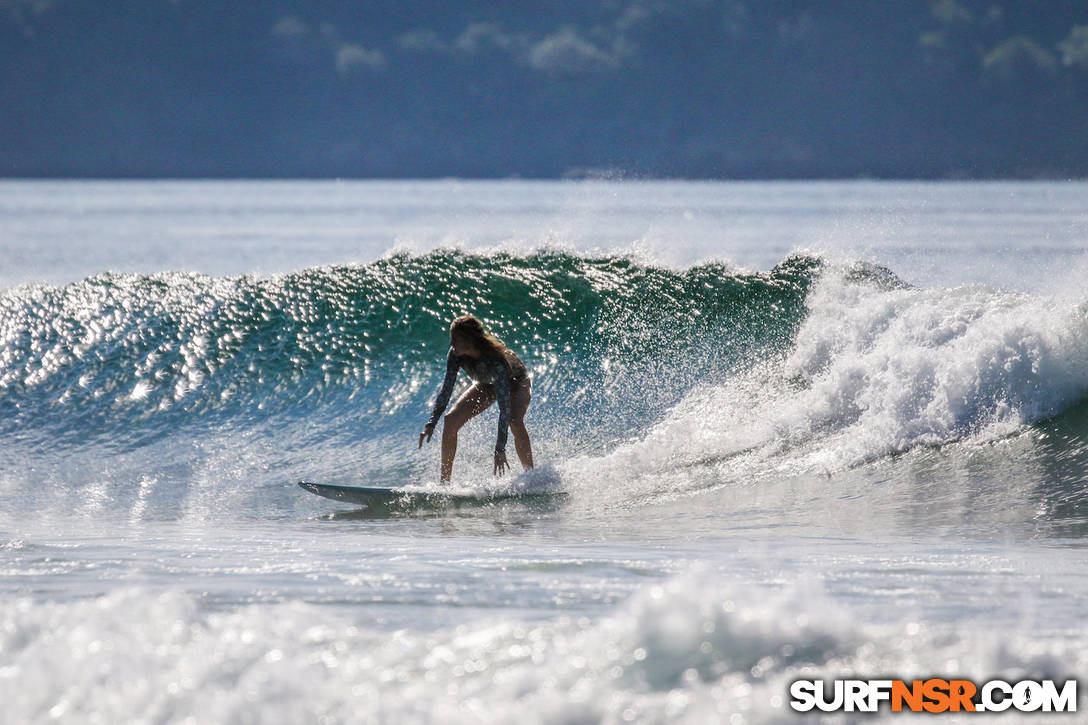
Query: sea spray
[[876, 369], [680, 650], [178, 393], [129, 357]]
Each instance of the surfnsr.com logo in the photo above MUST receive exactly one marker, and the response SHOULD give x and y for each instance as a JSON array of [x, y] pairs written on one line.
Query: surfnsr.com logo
[[934, 695]]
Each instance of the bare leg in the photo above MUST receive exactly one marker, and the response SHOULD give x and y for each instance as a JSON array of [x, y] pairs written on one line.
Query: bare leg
[[519, 403], [472, 403], [522, 444]]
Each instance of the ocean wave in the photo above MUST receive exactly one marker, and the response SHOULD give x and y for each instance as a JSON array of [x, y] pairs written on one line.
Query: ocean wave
[[693, 648], [875, 370], [129, 358], [705, 374]]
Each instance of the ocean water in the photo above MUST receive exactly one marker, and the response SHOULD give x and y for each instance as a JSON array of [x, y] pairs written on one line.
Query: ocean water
[[801, 430]]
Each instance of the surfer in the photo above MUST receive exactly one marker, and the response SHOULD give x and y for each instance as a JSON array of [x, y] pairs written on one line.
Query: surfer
[[497, 374]]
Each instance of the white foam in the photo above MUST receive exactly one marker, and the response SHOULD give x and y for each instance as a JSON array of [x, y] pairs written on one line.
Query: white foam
[[545, 479], [892, 370], [873, 372], [690, 649]]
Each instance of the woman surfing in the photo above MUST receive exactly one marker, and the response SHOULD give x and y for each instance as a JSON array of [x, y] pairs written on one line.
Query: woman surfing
[[497, 374]]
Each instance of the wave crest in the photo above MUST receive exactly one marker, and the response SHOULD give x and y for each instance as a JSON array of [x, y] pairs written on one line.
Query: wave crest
[[126, 359]]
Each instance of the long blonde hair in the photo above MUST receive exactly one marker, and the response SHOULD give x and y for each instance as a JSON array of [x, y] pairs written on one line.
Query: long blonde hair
[[469, 327]]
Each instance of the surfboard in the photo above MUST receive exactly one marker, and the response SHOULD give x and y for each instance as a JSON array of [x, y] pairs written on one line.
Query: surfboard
[[386, 495]]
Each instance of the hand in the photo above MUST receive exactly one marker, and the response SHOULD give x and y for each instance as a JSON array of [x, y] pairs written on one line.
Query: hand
[[428, 431], [500, 462]]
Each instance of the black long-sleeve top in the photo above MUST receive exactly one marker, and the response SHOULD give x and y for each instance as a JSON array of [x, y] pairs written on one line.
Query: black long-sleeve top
[[488, 372]]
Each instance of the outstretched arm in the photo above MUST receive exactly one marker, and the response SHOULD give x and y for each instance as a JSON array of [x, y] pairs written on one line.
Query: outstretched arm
[[502, 393], [443, 399]]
